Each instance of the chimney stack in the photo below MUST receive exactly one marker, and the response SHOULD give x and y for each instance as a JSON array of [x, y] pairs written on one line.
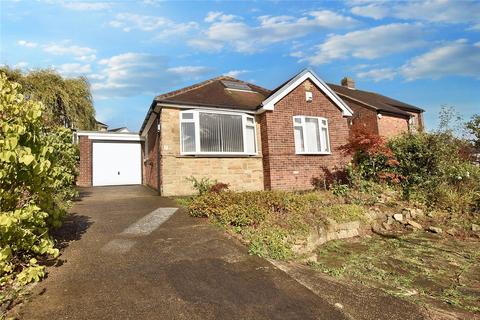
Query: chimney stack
[[348, 82]]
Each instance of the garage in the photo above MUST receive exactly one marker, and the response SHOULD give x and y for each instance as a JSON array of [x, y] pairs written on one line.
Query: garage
[[116, 163], [109, 159]]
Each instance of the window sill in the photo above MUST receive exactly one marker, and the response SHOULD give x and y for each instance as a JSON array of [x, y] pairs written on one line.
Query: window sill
[[313, 153], [218, 155]]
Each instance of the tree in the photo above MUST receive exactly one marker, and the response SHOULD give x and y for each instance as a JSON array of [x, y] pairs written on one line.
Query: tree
[[473, 128], [451, 121], [68, 102]]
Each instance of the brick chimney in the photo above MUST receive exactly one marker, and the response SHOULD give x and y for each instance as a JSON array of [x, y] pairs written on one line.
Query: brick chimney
[[348, 82]]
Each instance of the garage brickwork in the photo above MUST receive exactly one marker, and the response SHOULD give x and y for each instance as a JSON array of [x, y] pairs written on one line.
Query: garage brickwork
[[241, 173], [283, 168], [150, 157], [84, 178]]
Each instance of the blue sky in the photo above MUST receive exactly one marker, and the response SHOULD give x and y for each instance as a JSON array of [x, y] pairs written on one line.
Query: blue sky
[[423, 53]]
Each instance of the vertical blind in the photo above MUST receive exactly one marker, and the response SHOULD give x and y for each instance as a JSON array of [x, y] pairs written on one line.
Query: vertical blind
[[220, 132], [217, 133]]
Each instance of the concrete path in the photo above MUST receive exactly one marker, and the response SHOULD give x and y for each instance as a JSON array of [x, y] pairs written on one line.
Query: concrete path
[[131, 255]]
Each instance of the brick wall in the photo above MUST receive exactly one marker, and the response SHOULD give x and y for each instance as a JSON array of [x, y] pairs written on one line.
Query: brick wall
[[84, 178], [241, 173], [362, 116], [391, 126], [283, 169], [151, 157]]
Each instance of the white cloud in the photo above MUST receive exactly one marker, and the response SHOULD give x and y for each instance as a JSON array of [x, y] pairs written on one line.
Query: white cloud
[[459, 58], [73, 69], [444, 11], [375, 11], [138, 73], [369, 43], [229, 30], [79, 53], [27, 44], [163, 26], [189, 71], [235, 73], [378, 74], [86, 5]]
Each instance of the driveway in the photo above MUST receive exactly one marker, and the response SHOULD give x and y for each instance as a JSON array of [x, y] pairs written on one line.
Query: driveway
[[131, 255]]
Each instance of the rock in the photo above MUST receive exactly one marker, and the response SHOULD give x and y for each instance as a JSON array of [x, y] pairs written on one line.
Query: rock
[[338, 305], [398, 217], [390, 220], [386, 226], [311, 259], [414, 224], [435, 229], [475, 227], [418, 212], [452, 232]]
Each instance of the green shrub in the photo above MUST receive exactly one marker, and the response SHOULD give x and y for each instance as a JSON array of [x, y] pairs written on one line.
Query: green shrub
[[270, 242], [203, 185], [345, 212], [433, 170], [37, 171]]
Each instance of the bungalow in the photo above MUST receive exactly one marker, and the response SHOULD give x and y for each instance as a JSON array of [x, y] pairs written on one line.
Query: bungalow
[[244, 135]]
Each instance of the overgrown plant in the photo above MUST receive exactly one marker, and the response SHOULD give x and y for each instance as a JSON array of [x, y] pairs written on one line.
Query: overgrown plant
[[37, 171], [202, 185]]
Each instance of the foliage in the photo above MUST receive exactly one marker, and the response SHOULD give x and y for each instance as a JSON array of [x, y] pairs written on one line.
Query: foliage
[[473, 128], [434, 170], [68, 102], [372, 157], [431, 168], [345, 212], [271, 221], [202, 185], [219, 187], [270, 242], [450, 121], [37, 171]]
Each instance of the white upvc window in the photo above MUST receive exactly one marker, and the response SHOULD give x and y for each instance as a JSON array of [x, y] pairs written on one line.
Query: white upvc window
[[210, 132], [311, 135]]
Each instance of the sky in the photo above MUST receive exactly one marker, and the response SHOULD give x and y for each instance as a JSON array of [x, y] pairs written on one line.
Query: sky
[[425, 53]]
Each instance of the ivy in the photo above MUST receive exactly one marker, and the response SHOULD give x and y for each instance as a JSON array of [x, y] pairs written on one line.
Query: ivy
[[37, 171]]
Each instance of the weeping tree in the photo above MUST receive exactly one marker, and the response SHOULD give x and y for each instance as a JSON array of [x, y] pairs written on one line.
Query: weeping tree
[[68, 101]]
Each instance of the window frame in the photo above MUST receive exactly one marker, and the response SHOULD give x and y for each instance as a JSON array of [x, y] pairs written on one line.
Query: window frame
[[320, 127], [196, 121]]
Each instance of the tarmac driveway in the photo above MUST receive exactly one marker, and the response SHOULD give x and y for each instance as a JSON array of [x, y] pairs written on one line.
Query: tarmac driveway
[[131, 255]]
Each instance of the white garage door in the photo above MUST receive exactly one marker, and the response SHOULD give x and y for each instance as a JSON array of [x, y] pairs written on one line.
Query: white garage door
[[116, 163]]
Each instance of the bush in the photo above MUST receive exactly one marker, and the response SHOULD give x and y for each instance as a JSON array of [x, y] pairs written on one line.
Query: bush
[[203, 185], [36, 183], [373, 159], [433, 169]]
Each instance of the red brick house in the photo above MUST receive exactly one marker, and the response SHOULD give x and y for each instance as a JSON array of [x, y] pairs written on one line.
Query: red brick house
[[248, 136], [380, 114]]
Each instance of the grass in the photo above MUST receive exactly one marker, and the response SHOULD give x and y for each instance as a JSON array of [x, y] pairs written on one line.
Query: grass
[[421, 268]]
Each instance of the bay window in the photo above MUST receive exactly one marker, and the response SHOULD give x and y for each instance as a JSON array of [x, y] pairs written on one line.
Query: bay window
[[311, 135], [212, 132]]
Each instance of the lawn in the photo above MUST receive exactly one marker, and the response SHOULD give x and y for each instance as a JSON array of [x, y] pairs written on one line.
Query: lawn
[[421, 267]]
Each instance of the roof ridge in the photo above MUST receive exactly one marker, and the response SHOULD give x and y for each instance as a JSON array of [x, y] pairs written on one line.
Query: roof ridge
[[203, 83], [192, 87]]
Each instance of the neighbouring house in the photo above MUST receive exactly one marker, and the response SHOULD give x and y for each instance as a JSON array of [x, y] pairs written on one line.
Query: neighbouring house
[[100, 126], [242, 134], [379, 114], [119, 130]]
